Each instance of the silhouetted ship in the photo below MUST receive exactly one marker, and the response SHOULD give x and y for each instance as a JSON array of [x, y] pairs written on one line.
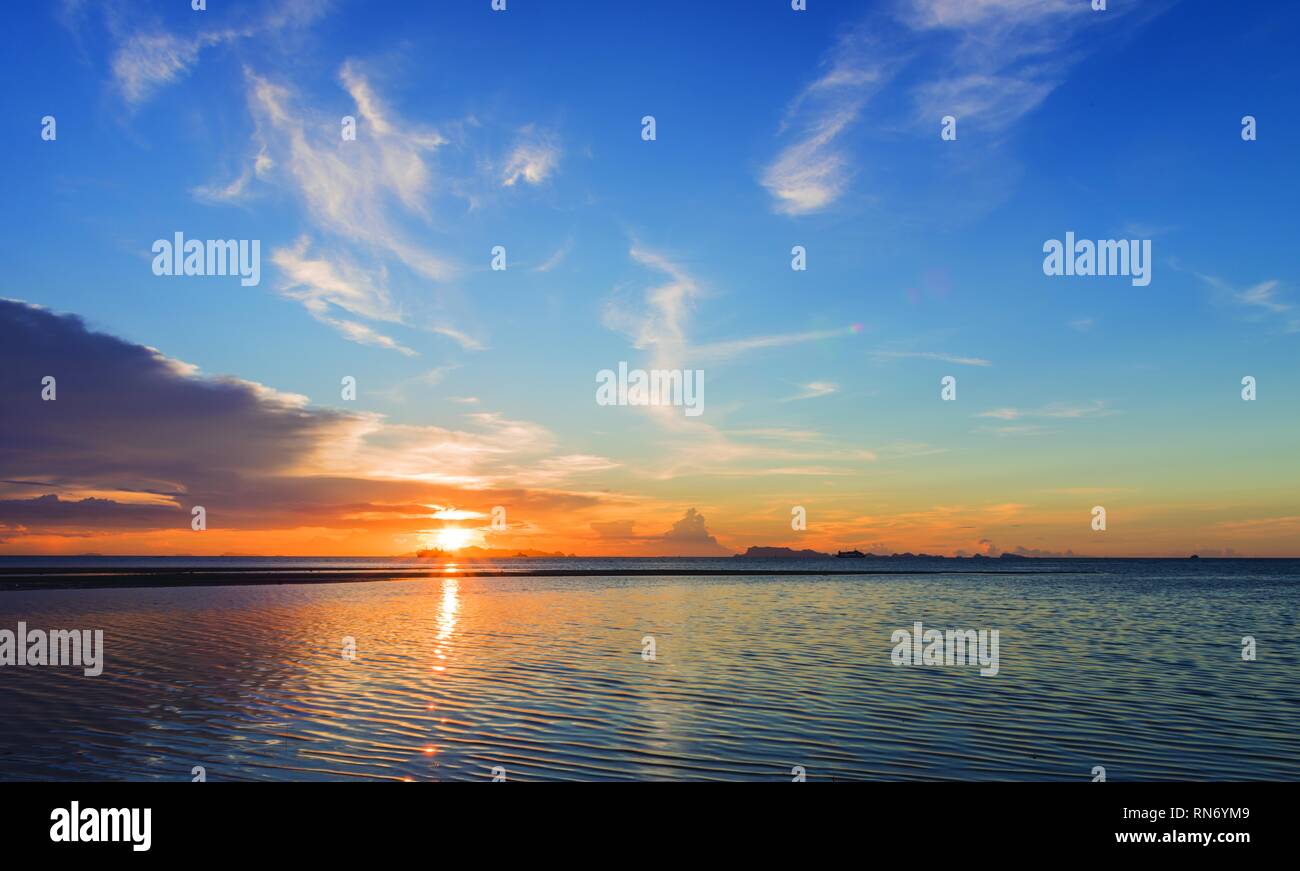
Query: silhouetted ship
[[432, 553], [850, 554]]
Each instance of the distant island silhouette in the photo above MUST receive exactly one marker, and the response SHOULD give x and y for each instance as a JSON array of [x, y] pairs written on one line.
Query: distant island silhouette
[[791, 553], [475, 553]]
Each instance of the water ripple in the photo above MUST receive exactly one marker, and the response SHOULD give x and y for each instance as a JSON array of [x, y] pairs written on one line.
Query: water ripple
[[1139, 672]]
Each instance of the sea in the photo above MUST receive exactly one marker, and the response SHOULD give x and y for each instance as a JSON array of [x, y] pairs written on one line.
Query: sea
[[656, 670]]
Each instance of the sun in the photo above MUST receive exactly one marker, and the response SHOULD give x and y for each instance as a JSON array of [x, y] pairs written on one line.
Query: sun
[[453, 538]]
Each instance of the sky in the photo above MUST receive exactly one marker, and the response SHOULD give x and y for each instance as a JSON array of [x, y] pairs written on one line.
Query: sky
[[476, 388]]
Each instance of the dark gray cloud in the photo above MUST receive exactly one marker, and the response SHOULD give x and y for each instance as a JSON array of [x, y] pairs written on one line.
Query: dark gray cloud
[[126, 413], [134, 439]]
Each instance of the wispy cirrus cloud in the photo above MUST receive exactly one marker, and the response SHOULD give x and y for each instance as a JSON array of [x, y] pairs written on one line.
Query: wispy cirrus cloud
[[466, 341], [1263, 299], [813, 170], [399, 391], [1003, 63], [555, 259], [533, 158], [1083, 325], [237, 189], [1031, 422], [361, 193], [318, 282], [987, 62], [1025, 429], [352, 191], [148, 59], [813, 390], [991, 62], [662, 323], [727, 349], [1054, 411], [1263, 295], [363, 334], [931, 355], [323, 285], [146, 62]]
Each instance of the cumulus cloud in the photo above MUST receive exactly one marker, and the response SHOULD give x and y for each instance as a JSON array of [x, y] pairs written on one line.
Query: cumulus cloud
[[134, 439], [690, 528], [125, 413], [688, 536]]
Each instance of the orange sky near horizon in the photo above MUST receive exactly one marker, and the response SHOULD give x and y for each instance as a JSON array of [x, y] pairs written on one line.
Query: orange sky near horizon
[[716, 530]]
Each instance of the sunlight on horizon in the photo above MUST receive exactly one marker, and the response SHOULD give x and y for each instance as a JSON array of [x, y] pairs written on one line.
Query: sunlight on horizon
[[453, 538]]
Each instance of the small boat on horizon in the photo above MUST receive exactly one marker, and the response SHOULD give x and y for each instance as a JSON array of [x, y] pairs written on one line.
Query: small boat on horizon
[[850, 554], [432, 553]]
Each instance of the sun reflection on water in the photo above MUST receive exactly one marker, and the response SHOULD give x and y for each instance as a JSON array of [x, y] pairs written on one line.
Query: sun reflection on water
[[450, 608]]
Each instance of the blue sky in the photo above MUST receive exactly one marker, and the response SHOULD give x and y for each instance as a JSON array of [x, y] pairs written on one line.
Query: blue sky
[[774, 128]]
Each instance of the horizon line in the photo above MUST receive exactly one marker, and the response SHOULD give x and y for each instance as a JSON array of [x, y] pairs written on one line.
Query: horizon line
[[451, 557]]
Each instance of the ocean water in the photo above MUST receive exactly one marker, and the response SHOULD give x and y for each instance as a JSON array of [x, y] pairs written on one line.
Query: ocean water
[[1133, 665]]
